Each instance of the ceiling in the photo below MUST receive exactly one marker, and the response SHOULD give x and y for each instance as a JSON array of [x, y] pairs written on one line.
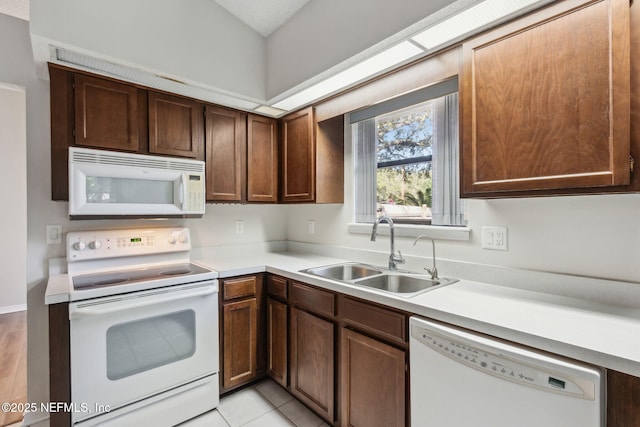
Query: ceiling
[[264, 16]]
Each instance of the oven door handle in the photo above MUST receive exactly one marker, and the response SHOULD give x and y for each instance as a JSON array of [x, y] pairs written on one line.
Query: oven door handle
[[117, 305]]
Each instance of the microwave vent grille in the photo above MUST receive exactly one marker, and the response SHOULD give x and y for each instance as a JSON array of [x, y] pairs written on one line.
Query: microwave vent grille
[[137, 161]]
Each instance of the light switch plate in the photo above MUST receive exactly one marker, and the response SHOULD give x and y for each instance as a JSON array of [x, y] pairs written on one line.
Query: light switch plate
[[53, 234], [494, 238]]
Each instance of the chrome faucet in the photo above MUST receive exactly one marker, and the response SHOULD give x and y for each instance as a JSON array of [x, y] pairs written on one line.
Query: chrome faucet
[[394, 259], [432, 271]]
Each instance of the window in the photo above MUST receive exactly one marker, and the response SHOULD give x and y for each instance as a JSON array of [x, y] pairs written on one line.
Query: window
[[406, 159], [403, 163]]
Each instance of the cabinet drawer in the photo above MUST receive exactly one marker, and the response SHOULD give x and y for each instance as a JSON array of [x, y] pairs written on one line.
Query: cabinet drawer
[[277, 287], [375, 319], [316, 300], [239, 287]]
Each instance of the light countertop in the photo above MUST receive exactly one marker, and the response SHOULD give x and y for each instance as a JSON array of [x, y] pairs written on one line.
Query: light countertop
[[595, 332], [603, 332]]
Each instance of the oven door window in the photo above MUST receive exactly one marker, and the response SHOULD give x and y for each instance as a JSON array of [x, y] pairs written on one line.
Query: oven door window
[[141, 345]]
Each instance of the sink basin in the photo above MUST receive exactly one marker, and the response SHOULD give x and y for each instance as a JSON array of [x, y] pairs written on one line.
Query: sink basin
[[344, 272], [403, 284]]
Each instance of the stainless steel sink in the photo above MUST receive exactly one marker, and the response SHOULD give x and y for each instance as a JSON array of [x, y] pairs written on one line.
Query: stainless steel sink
[[400, 283], [344, 272], [404, 284]]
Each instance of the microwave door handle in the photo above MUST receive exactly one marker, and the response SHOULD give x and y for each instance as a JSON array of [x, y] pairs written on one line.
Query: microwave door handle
[[183, 190], [118, 305]]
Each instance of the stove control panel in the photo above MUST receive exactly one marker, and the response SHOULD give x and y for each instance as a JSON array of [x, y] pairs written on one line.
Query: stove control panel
[[101, 244]]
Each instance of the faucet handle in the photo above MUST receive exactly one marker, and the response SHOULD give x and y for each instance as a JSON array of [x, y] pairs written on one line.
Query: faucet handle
[[433, 272], [399, 259]]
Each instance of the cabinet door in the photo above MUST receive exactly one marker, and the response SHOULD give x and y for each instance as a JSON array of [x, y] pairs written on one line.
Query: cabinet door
[[277, 341], [106, 114], [175, 126], [312, 362], [262, 159], [226, 142], [373, 382], [545, 101], [240, 325], [623, 399], [298, 157]]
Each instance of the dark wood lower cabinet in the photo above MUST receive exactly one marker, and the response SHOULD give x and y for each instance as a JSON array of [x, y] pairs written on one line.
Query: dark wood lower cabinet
[[362, 379], [373, 382], [312, 362], [243, 331], [277, 341], [623, 400], [240, 338]]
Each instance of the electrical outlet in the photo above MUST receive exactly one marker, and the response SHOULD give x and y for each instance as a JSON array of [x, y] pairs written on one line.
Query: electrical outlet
[[239, 227], [494, 238], [312, 227], [53, 234]]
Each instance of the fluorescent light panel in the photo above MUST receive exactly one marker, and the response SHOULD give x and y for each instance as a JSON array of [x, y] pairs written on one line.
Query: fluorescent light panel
[[469, 20], [351, 75]]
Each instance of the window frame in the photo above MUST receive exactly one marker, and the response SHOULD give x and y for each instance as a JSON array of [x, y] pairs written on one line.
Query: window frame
[[409, 227]]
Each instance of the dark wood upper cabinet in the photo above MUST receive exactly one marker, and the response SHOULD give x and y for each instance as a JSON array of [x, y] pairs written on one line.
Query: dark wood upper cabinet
[[226, 141], [106, 114], [298, 157], [312, 159], [99, 112], [175, 126], [262, 159], [545, 103]]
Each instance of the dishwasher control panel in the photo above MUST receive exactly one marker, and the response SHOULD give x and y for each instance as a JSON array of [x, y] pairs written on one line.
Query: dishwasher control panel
[[501, 365]]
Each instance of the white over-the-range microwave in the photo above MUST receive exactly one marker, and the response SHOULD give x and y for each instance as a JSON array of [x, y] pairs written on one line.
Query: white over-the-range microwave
[[109, 184]]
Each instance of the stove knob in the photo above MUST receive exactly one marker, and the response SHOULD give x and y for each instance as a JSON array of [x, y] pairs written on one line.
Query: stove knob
[[184, 238], [96, 244], [173, 239], [79, 245]]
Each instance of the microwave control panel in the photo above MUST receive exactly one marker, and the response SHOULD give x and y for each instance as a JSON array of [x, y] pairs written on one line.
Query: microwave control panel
[[102, 244], [195, 193]]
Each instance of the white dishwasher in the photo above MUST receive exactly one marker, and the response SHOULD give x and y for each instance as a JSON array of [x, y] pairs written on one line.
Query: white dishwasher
[[462, 379]]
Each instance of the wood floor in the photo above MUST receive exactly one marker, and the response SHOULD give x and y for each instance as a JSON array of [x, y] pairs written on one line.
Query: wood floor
[[13, 363]]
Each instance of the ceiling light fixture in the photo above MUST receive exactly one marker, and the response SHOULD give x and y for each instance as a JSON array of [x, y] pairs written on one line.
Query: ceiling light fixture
[[455, 27], [352, 75], [469, 21]]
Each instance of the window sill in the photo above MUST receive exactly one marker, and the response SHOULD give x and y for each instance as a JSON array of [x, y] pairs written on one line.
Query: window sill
[[412, 230]]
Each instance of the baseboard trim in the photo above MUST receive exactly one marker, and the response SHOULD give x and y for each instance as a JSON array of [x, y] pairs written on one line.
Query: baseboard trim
[[12, 308]]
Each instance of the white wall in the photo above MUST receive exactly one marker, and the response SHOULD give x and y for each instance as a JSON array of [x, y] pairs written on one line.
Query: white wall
[[195, 40], [596, 235], [13, 218]]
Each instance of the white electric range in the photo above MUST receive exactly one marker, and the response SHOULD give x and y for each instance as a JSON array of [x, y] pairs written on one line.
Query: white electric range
[[143, 328]]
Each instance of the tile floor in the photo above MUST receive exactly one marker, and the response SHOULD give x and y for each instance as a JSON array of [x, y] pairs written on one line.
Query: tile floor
[[263, 405]]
